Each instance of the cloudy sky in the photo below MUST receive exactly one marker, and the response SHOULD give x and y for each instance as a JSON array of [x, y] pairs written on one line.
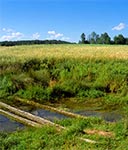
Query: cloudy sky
[[61, 19]]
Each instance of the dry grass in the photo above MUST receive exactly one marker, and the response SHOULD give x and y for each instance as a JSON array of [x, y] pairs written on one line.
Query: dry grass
[[16, 53]]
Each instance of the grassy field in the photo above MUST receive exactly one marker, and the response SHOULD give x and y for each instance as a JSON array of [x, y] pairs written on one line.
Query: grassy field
[[51, 73], [16, 53]]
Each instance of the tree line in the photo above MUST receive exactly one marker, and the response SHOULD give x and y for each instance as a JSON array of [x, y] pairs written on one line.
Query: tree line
[[31, 42], [104, 38], [93, 38]]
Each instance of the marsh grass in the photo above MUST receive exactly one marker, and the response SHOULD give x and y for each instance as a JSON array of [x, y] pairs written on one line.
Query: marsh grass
[[32, 77], [51, 73]]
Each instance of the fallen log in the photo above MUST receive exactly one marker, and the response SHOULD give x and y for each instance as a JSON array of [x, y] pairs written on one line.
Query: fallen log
[[20, 119], [88, 140], [29, 116], [99, 132], [66, 113], [31, 120]]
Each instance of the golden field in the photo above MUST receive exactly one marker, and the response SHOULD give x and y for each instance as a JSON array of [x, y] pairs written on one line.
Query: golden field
[[20, 53]]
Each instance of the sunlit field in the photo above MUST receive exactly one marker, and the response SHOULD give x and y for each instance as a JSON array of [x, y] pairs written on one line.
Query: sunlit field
[[20, 53], [93, 77]]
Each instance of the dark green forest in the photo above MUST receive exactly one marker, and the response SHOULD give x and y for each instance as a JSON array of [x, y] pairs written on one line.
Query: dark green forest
[[104, 38], [32, 42]]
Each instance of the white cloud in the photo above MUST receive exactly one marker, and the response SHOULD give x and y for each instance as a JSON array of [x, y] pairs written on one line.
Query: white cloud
[[36, 36], [10, 34], [119, 27], [65, 38], [52, 32], [57, 36], [7, 30]]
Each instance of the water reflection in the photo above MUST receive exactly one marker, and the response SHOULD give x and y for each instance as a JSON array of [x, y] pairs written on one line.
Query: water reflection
[[108, 116], [48, 114], [7, 125]]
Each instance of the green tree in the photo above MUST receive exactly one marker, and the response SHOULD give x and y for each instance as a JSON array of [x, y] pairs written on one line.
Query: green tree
[[83, 38], [93, 38], [119, 39], [105, 39], [126, 41]]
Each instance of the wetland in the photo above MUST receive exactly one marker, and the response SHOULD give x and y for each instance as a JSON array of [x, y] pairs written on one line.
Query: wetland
[[85, 80]]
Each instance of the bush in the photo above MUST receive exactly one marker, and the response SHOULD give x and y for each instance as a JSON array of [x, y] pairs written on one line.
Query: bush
[[33, 64], [34, 92], [6, 86], [41, 76], [22, 81], [92, 93]]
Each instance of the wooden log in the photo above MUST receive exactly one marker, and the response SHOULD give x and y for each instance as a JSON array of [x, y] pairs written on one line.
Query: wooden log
[[29, 116], [34, 121], [88, 140], [70, 114], [99, 132], [20, 119]]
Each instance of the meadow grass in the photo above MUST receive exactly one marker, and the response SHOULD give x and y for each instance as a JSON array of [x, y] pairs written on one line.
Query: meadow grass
[[50, 73], [21, 53], [48, 138]]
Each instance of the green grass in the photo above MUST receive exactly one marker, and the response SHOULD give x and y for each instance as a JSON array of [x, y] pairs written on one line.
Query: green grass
[[51, 79], [53, 73], [48, 138]]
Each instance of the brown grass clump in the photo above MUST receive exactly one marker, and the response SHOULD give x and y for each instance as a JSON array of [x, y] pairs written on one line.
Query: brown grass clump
[[99, 132]]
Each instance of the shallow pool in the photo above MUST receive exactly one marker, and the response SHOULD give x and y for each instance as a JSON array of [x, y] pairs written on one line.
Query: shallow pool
[[110, 116], [8, 125]]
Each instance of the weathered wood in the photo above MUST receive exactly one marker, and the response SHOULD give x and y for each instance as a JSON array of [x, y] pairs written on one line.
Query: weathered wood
[[31, 120], [29, 116], [70, 114], [20, 119], [88, 140], [99, 132]]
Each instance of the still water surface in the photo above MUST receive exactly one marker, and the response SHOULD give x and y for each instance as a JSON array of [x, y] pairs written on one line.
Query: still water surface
[[8, 125]]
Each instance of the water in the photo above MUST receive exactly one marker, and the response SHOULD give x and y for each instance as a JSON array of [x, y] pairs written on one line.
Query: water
[[8, 125], [110, 116], [48, 114], [107, 115], [92, 108]]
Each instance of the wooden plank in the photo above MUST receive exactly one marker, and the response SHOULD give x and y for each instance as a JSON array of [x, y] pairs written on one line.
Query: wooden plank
[[66, 113], [31, 120], [29, 116], [20, 119]]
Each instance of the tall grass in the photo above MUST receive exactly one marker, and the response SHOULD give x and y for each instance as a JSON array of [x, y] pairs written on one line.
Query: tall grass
[[50, 79], [53, 72], [21, 53]]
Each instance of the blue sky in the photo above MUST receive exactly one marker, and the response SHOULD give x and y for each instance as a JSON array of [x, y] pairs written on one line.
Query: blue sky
[[61, 19]]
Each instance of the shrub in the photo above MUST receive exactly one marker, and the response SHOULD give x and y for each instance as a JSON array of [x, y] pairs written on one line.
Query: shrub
[[33, 64], [92, 93], [22, 81], [41, 76], [32, 92], [6, 86]]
